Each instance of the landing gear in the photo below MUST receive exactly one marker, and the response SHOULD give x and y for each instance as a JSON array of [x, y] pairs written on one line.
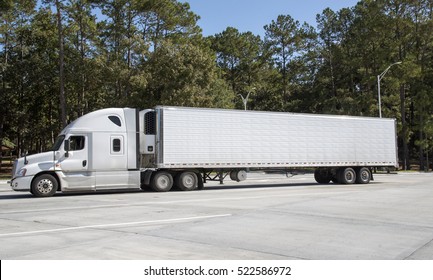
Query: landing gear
[[238, 175]]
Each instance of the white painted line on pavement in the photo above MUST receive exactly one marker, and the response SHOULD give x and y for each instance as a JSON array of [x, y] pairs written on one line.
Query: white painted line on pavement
[[180, 201], [177, 201], [114, 225]]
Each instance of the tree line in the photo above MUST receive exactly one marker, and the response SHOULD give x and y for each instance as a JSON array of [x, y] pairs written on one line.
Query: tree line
[[62, 59]]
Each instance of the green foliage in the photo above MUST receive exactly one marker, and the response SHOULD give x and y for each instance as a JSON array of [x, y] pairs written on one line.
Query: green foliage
[[145, 53], [288, 44], [239, 56], [184, 75]]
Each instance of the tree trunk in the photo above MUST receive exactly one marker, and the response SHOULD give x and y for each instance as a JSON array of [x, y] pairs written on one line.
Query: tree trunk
[[81, 95], [3, 91], [62, 97], [1, 141], [421, 148], [406, 164], [427, 161]]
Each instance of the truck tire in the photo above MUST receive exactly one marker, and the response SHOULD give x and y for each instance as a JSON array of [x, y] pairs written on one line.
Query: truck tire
[[161, 181], [322, 176], [44, 185], [346, 175], [187, 181], [363, 175]]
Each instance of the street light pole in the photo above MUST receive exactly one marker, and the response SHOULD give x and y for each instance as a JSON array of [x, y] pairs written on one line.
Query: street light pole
[[378, 96], [245, 100], [379, 78]]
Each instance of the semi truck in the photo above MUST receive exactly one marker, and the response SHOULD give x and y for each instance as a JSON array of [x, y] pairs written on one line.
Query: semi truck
[[166, 147]]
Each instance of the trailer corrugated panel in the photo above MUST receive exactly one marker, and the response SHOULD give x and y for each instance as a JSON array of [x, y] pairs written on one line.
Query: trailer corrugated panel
[[215, 138]]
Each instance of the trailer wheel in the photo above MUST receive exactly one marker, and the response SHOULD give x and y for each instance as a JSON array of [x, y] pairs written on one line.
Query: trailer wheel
[[161, 181], [322, 176], [44, 185], [363, 175], [346, 175], [187, 181]]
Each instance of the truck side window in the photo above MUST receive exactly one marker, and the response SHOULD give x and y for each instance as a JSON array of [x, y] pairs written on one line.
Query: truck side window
[[58, 143], [116, 145], [76, 143], [115, 120]]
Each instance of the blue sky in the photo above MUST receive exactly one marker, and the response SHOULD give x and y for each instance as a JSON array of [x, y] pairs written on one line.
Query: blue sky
[[252, 15]]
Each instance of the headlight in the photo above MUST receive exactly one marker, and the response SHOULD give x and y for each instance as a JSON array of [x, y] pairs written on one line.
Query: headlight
[[22, 172]]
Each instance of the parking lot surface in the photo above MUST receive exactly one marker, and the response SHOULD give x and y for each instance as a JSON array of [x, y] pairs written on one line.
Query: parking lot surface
[[268, 216]]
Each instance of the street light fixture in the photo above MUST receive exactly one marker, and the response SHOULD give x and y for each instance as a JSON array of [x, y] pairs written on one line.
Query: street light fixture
[[379, 78], [245, 100]]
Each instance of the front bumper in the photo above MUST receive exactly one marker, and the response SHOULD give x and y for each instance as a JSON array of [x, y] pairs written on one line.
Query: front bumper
[[21, 183]]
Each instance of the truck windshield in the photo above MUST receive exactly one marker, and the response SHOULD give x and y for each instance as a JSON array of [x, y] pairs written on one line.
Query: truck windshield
[[58, 143]]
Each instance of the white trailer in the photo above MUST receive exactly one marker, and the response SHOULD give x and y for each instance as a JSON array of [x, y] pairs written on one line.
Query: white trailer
[[184, 147]]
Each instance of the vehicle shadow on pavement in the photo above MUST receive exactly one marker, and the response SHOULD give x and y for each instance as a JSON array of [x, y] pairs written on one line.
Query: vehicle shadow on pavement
[[259, 186], [16, 196], [25, 195]]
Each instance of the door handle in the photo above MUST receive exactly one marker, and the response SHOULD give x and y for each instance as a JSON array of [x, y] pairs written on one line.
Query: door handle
[[84, 163]]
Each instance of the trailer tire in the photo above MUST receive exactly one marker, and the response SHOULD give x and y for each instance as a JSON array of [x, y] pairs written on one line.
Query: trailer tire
[[346, 175], [161, 181], [187, 181], [363, 175], [44, 185], [322, 176]]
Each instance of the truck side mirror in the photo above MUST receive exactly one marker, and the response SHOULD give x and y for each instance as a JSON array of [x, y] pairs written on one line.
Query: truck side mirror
[[67, 147], [25, 157]]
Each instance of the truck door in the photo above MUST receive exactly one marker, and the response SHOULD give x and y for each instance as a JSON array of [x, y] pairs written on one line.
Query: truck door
[[112, 163], [75, 164]]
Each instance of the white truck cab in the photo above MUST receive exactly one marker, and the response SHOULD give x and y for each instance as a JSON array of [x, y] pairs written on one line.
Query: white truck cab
[[97, 151]]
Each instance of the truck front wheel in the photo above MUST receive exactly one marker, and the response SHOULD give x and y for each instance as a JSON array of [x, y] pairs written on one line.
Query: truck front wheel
[[44, 185], [162, 181]]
